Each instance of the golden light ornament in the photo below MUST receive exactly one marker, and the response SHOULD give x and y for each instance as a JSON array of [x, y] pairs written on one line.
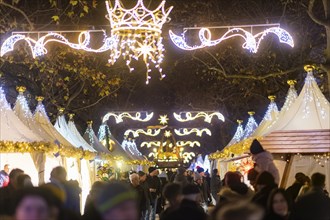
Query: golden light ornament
[[138, 33]]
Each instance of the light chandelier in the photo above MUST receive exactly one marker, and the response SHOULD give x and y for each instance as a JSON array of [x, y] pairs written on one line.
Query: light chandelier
[[135, 34]]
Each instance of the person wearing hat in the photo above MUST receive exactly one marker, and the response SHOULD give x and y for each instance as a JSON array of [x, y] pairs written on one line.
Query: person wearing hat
[[118, 201], [181, 176], [264, 160], [265, 184], [189, 207], [154, 184]]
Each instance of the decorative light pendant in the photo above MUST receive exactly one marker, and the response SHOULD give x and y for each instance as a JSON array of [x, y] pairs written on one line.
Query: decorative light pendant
[[135, 33]]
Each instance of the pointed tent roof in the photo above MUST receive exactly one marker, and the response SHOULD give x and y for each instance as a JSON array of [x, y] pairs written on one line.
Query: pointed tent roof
[[92, 140], [238, 134], [305, 126], [62, 127], [24, 113], [75, 132], [11, 127], [270, 116], [310, 111], [41, 118], [131, 148], [106, 138], [250, 126]]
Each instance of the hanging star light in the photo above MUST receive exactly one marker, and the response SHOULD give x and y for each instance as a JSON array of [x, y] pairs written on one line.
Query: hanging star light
[[251, 41], [163, 119], [135, 33]]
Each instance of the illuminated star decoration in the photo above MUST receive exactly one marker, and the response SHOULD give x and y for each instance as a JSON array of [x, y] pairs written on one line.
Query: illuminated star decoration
[[135, 33], [251, 42], [163, 119], [168, 134]]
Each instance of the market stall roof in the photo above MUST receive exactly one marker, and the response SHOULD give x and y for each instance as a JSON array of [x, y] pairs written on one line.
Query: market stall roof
[[23, 112], [41, 117], [63, 128], [105, 137], [305, 126], [11, 127], [93, 141], [238, 134]]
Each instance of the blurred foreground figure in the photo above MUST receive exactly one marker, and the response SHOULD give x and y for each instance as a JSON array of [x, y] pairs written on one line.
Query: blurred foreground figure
[[173, 194], [4, 176], [314, 204], [279, 205], [117, 201], [190, 205], [240, 211], [32, 203]]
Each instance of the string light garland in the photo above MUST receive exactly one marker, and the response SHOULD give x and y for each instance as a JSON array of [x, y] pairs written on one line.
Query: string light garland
[[190, 116], [148, 132], [238, 134], [251, 42], [251, 125], [135, 33], [137, 117], [187, 131], [291, 96]]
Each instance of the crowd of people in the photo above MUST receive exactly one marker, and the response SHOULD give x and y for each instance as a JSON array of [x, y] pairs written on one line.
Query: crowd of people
[[180, 195]]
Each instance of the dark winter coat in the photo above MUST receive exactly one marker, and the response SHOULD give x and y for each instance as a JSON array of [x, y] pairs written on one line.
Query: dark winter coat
[[188, 210], [215, 184], [154, 183], [294, 190], [314, 204], [261, 197]]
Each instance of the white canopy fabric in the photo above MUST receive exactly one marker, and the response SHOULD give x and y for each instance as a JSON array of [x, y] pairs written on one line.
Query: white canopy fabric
[[93, 141], [41, 118], [106, 138], [270, 116], [11, 127], [24, 113], [310, 111], [131, 148], [77, 135], [63, 128]]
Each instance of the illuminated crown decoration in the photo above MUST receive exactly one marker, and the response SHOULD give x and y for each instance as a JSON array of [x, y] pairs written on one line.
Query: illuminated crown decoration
[[135, 34]]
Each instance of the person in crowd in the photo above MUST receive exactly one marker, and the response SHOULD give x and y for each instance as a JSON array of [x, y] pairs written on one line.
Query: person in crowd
[[181, 176], [190, 176], [305, 187], [265, 184], [141, 198], [239, 211], [234, 190], [314, 204], [7, 193], [215, 184], [32, 203], [173, 194], [4, 176], [155, 190], [202, 184], [190, 205], [294, 189], [198, 181], [279, 205], [118, 201], [90, 209], [142, 178], [264, 160], [24, 181], [71, 188], [252, 175]]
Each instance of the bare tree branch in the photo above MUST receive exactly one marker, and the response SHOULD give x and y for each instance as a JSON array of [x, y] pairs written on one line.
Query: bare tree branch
[[324, 22], [20, 11]]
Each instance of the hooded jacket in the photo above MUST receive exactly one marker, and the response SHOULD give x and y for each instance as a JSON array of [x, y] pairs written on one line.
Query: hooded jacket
[[264, 161]]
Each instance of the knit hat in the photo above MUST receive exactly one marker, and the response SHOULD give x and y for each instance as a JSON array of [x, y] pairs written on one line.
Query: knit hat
[[141, 173], [113, 194], [256, 147], [151, 169], [200, 169], [190, 189], [265, 178]]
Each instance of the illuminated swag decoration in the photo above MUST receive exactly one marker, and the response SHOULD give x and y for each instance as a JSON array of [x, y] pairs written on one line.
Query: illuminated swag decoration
[[251, 41], [135, 34]]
